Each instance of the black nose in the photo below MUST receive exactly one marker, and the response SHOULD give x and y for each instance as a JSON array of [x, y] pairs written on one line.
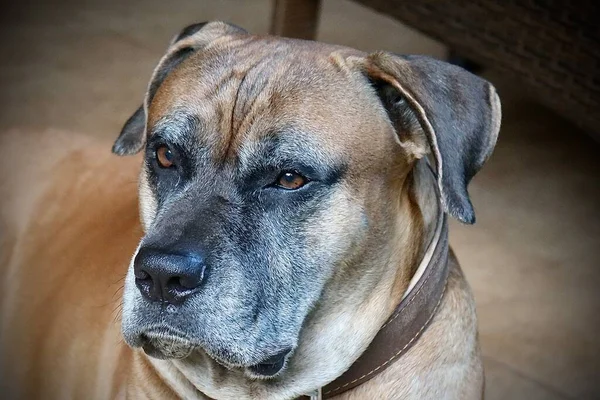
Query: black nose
[[167, 277]]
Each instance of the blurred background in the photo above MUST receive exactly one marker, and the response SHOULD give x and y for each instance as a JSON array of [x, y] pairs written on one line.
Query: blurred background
[[533, 258]]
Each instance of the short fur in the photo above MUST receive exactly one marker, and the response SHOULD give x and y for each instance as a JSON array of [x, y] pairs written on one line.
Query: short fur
[[317, 270]]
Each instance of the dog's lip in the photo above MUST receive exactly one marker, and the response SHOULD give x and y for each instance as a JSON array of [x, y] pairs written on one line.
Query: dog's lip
[[163, 331], [267, 368], [152, 351], [146, 339], [165, 342], [271, 366], [159, 332]]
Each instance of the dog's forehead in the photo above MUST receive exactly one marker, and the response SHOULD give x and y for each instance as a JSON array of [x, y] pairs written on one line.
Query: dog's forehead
[[245, 89]]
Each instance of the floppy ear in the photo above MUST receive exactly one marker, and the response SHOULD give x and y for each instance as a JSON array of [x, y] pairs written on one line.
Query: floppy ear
[[454, 112], [192, 38]]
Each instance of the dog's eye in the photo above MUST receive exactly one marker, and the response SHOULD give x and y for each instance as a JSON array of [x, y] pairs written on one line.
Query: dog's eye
[[291, 180], [165, 156]]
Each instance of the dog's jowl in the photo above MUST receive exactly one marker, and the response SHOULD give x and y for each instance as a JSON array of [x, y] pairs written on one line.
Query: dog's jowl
[[293, 199]]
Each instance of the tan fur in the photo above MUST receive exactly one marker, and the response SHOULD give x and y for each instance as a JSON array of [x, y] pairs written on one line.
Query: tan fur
[[70, 224]]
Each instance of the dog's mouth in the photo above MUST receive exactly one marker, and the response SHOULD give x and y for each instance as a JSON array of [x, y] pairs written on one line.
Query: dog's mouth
[[268, 368], [166, 344], [271, 366]]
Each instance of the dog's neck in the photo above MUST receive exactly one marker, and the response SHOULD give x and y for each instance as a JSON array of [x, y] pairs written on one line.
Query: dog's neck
[[339, 330]]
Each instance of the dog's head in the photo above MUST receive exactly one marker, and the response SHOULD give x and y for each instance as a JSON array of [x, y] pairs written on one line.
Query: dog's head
[[272, 167]]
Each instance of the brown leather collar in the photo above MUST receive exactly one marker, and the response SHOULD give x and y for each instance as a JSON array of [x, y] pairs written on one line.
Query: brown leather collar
[[408, 322]]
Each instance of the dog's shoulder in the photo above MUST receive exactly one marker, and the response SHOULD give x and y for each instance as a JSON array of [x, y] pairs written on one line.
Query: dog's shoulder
[[29, 160], [68, 223], [46, 172]]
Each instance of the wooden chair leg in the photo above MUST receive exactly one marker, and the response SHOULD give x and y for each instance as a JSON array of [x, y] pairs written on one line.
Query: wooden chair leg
[[295, 18]]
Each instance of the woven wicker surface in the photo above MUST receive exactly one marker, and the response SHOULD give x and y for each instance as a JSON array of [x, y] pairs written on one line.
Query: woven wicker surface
[[551, 47]]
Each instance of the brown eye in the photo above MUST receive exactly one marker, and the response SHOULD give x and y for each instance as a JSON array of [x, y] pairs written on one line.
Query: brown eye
[[164, 156], [291, 180]]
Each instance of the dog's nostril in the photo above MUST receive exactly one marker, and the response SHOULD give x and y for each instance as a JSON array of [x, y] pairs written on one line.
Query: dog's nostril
[[186, 282], [144, 283], [178, 284], [143, 278], [141, 275]]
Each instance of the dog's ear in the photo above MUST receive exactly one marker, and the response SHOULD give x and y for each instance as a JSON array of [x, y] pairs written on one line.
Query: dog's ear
[[192, 38], [439, 107]]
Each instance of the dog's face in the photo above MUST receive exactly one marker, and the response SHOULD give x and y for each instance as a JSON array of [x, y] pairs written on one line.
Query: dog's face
[[271, 166]]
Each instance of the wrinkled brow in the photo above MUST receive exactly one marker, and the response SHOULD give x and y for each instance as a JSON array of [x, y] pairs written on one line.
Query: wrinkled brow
[[179, 128], [287, 149]]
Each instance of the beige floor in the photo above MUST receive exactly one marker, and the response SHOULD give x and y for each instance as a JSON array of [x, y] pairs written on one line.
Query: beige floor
[[533, 258]]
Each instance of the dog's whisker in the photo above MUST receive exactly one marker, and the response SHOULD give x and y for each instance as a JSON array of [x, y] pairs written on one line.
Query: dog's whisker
[[121, 279], [119, 290]]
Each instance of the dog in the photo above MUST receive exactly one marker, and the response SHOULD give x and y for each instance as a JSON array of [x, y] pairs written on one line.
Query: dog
[[286, 201]]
